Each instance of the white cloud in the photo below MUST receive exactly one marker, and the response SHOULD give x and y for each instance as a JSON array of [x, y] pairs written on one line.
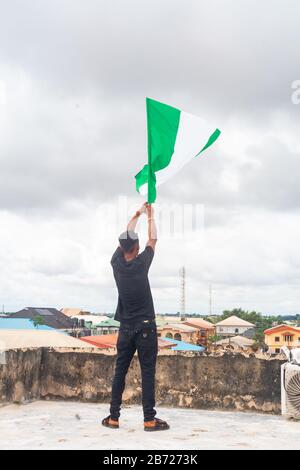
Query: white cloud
[[252, 262], [72, 130]]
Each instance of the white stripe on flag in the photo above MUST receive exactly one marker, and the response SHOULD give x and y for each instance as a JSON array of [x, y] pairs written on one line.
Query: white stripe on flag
[[193, 134]]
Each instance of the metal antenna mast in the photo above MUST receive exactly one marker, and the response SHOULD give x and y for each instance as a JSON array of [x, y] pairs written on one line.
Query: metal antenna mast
[[210, 300], [182, 291]]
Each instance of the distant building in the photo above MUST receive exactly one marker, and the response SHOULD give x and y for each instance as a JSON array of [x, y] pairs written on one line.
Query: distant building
[[233, 326], [169, 318], [110, 342], [21, 324], [74, 312], [205, 329], [51, 317], [163, 343], [107, 327], [182, 346], [90, 321], [15, 339], [282, 335], [179, 332], [101, 341], [236, 341], [250, 334]]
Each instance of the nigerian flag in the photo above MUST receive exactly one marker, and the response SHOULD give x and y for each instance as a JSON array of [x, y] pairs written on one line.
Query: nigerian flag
[[174, 138]]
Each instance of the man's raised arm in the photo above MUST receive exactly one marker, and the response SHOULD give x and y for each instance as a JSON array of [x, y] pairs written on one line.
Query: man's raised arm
[[152, 230], [133, 221]]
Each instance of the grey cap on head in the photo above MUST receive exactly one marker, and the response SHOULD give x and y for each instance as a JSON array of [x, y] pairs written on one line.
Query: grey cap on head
[[128, 239]]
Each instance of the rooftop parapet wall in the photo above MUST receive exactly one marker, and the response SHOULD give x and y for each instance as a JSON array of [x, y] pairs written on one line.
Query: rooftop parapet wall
[[230, 381], [20, 375]]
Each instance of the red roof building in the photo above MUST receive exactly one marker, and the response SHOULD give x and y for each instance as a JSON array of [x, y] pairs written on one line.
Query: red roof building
[[205, 329], [110, 341]]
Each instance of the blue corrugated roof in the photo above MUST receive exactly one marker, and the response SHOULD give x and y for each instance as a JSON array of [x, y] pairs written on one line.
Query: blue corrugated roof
[[20, 324], [182, 346]]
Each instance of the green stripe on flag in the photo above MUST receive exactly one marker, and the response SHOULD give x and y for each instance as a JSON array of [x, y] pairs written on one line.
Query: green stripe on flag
[[163, 122], [174, 138], [210, 141]]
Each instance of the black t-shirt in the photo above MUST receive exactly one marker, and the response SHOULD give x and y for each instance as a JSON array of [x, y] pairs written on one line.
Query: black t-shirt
[[135, 298]]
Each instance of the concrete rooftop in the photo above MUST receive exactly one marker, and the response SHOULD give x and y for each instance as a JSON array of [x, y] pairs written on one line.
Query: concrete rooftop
[[70, 425], [17, 339]]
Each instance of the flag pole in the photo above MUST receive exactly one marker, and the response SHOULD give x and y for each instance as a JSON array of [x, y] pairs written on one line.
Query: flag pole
[[149, 150]]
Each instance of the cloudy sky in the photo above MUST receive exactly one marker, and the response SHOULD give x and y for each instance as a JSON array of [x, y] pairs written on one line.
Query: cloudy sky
[[74, 75]]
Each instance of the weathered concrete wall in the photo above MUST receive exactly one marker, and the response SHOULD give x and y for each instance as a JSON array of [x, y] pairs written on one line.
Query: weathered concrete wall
[[20, 375], [197, 381]]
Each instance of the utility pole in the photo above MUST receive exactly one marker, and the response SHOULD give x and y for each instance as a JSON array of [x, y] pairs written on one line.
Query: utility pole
[[210, 300], [182, 291]]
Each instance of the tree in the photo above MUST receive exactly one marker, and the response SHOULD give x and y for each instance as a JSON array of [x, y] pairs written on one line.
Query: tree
[[261, 322], [38, 320], [213, 339]]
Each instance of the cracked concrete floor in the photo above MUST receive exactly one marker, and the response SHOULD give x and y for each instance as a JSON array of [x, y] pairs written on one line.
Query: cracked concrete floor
[[70, 425]]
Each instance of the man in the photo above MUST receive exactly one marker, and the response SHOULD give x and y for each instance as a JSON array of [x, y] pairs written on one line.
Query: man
[[135, 311]]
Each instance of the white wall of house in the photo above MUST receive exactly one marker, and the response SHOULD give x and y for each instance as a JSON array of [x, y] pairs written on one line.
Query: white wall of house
[[231, 330]]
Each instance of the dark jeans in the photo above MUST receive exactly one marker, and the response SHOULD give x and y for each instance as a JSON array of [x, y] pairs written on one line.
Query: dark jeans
[[142, 338]]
